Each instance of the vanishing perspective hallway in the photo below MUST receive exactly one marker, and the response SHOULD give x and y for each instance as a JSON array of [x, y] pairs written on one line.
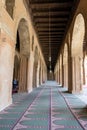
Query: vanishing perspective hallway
[[49, 107]]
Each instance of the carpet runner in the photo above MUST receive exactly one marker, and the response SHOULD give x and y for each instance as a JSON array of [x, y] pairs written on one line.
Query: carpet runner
[[48, 107]]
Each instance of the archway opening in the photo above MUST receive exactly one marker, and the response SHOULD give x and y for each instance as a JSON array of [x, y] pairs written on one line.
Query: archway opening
[[77, 52], [16, 65], [22, 52]]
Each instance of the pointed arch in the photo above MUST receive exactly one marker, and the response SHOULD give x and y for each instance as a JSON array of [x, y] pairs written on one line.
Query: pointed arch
[[22, 50], [77, 52]]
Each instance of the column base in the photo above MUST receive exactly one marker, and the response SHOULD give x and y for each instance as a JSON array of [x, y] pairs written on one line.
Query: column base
[[30, 90], [5, 105], [75, 92]]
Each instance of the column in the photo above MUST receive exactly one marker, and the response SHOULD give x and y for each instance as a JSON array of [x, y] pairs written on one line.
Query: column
[[38, 69], [41, 75], [74, 74], [78, 75], [23, 74], [30, 73], [70, 88], [66, 75], [6, 70]]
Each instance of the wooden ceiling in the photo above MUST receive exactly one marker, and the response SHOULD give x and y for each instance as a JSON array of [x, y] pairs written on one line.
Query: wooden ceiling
[[51, 19]]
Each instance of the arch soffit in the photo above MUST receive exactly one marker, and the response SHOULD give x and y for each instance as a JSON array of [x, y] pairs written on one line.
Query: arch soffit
[[78, 34], [27, 29], [18, 22]]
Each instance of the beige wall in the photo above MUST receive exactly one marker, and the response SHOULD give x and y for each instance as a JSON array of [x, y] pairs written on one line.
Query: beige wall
[[8, 34]]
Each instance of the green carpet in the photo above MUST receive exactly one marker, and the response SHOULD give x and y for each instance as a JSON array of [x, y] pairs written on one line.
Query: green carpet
[[48, 107]]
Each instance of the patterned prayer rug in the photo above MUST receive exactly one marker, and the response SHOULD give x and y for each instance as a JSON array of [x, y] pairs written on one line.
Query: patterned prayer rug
[[48, 107]]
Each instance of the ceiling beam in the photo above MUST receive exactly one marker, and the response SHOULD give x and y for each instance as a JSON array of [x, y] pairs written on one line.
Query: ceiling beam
[[53, 25], [52, 33], [51, 5], [52, 36], [54, 16], [40, 14], [55, 20], [45, 23], [51, 40], [51, 29]]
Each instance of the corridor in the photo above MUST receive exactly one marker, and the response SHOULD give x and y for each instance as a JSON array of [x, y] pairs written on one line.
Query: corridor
[[49, 107]]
